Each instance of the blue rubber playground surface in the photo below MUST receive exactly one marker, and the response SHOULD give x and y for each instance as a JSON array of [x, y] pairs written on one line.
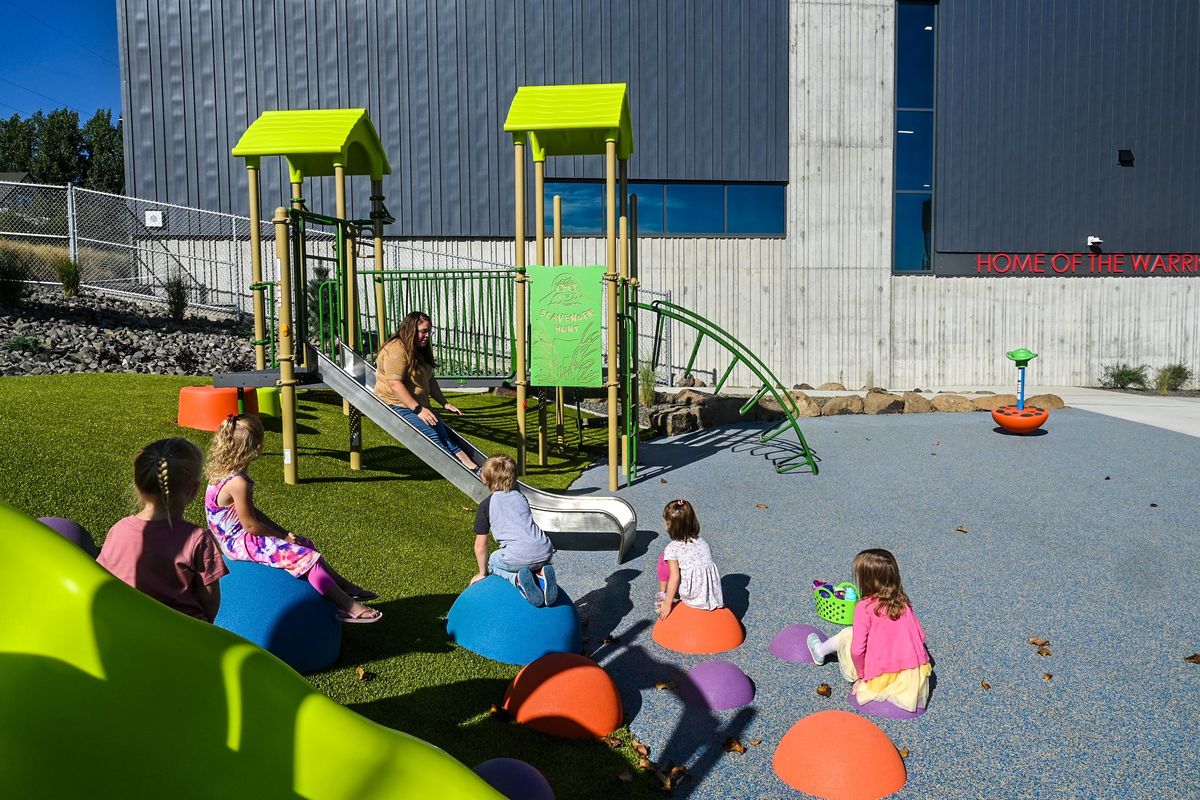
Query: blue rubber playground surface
[[1086, 536]]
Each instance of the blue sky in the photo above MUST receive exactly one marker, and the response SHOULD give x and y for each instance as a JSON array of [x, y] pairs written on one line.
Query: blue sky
[[59, 53]]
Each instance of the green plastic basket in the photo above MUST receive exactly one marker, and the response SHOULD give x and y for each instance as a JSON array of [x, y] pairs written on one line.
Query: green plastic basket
[[831, 609]]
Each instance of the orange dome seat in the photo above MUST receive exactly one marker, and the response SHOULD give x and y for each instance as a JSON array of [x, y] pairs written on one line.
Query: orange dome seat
[[206, 407], [839, 756], [1021, 420], [565, 695], [694, 630]]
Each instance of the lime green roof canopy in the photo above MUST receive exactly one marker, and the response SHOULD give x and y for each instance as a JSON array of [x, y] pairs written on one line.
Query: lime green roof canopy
[[572, 120], [315, 141]]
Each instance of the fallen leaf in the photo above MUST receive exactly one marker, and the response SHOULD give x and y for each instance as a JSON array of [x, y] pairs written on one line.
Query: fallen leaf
[[641, 749], [665, 685], [625, 777], [961, 529], [732, 745], [498, 711], [985, 684], [468, 509], [610, 639], [1154, 505], [1043, 651], [644, 763], [824, 690], [611, 741], [662, 480], [760, 505], [1039, 641], [1047, 676], [1108, 477], [1194, 659], [756, 742], [904, 752], [364, 675]]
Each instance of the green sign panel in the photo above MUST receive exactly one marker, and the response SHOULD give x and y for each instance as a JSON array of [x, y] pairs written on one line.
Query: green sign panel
[[566, 309]]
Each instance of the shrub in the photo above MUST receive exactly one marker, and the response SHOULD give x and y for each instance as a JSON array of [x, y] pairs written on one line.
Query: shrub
[[68, 276], [1171, 378], [24, 344], [176, 298], [12, 278], [646, 381], [1121, 376], [313, 292]]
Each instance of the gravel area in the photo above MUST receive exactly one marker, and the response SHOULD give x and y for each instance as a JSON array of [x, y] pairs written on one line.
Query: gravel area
[[51, 334]]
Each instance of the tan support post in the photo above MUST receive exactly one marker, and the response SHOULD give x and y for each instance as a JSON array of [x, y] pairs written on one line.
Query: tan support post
[[559, 405], [610, 278], [519, 300], [377, 225], [256, 276], [539, 227], [287, 371], [339, 184]]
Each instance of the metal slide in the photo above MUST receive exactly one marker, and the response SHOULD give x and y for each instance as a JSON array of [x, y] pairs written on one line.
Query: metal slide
[[571, 522]]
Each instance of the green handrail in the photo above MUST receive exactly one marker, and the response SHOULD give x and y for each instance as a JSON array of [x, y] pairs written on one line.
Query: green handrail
[[472, 310], [270, 340], [743, 355]]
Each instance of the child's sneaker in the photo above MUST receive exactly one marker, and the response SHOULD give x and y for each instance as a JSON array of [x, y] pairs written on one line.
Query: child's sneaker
[[548, 584], [814, 642], [529, 587]]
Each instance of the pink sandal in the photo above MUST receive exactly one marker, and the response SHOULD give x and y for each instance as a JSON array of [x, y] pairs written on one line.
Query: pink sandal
[[368, 616]]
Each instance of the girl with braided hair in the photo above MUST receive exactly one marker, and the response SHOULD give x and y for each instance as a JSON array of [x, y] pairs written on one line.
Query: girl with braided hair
[[156, 550], [245, 533]]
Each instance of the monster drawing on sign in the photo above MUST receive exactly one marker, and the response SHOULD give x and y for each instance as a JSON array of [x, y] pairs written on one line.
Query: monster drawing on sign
[[564, 292]]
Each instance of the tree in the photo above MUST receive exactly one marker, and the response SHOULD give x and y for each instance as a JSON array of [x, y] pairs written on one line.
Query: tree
[[18, 139], [59, 155], [103, 153]]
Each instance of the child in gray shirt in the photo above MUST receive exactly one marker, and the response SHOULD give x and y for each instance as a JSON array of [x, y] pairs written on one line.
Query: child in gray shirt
[[525, 551]]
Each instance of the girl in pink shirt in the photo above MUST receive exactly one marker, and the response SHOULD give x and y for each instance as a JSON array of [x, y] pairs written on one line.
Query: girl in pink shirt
[[883, 653]]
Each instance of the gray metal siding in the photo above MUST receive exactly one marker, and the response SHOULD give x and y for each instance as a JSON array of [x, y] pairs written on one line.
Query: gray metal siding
[[1035, 97], [708, 82]]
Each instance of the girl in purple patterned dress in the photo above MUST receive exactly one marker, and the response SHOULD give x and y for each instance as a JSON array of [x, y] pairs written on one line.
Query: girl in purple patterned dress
[[246, 534]]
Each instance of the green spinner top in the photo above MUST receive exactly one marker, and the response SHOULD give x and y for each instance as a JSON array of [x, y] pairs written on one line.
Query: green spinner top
[[573, 120], [314, 141], [1022, 356]]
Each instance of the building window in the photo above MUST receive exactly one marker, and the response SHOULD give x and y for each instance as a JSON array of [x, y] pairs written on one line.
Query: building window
[[912, 215], [676, 209]]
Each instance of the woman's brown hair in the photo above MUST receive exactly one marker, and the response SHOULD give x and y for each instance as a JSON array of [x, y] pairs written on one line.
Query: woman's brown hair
[[418, 355], [680, 518], [878, 576]]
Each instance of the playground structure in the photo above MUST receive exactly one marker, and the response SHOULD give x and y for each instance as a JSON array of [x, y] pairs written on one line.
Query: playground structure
[[106, 671], [1018, 418], [333, 315]]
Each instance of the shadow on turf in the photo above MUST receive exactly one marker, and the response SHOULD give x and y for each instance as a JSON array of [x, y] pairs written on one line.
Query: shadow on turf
[[409, 625]]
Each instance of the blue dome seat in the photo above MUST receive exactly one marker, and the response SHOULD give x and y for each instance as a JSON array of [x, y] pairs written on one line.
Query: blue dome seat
[[283, 615], [492, 618]]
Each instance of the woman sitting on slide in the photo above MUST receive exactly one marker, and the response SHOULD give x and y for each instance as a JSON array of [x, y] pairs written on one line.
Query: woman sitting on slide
[[404, 380]]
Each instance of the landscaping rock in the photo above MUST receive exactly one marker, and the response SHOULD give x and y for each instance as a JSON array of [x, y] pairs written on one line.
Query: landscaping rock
[[995, 401], [874, 390], [689, 398], [805, 406], [831, 387], [674, 420], [952, 402], [1046, 401], [916, 404], [690, 380], [802, 386], [851, 404], [883, 403]]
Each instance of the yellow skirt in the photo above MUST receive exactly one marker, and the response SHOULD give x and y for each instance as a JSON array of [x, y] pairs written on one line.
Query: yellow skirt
[[907, 689]]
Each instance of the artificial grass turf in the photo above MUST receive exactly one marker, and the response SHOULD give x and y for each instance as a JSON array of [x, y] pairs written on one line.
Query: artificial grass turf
[[396, 527]]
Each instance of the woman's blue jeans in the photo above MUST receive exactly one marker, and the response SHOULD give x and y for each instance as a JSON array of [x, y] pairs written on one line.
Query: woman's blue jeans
[[439, 434]]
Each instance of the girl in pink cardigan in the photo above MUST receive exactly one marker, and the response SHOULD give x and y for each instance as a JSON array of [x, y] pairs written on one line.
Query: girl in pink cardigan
[[883, 653]]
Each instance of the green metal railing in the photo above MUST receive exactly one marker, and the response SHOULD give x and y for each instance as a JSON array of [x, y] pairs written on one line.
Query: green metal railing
[[741, 355], [270, 340], [472, 311]]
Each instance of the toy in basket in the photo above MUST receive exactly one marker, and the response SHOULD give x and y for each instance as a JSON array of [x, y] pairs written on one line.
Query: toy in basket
[[835, 603]]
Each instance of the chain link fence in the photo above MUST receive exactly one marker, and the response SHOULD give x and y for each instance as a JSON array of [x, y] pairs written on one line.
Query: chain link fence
[[131, 247]]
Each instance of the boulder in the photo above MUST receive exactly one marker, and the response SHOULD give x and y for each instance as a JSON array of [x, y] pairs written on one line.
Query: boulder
[[874, 390], [916, 404], [802, 386], [952, 403], [1046, 401], [851, 404], [883, 403], [988, 402], [690, 380], [721, 410], [832, 386], [805, 406], [674, 420], [689, 398]]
